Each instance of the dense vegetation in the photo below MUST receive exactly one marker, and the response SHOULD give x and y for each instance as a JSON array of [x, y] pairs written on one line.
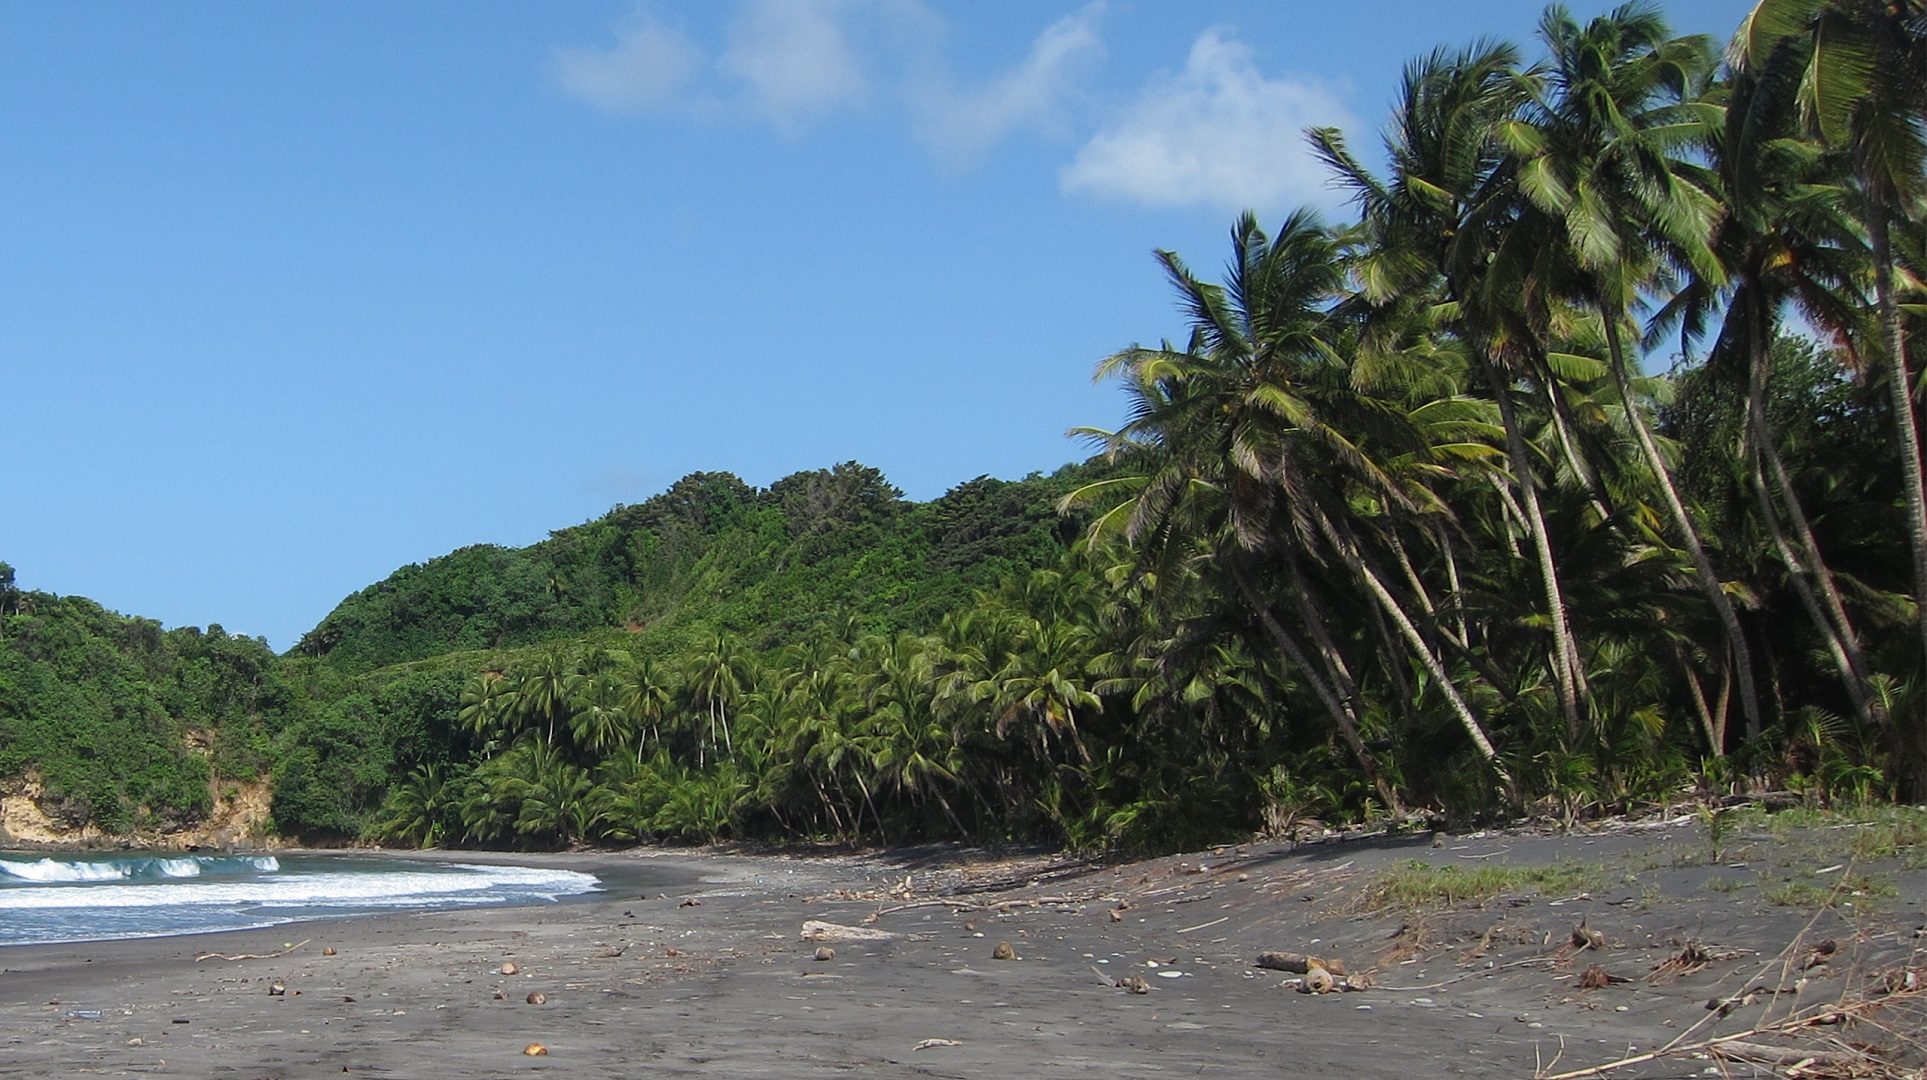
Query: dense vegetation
[[1401, 525]]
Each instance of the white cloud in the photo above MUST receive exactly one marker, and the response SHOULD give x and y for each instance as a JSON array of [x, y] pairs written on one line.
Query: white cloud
[[648, 67], [959, 126], [1219, 133], [795, 59]]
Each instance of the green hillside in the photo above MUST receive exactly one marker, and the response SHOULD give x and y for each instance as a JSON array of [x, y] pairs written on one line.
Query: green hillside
[[712, 554]]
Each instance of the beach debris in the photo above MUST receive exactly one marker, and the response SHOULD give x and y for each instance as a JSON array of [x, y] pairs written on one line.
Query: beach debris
[[1820, 954], [1116, 915], [535, 1050], [610, 952], [285, 950], [277, 988], [1128, 983], [83, 1014], [929, 1043], [1003, 951], [1598, 978], [1901, 980], [671, 951], [1298, 963], [500, 994], [1317, 981], [537, 997], [818, 930], [1691, 957], [509, 967], [328, 950], [824, 952], [1726, 1005], [691, 902], [1585, 937]]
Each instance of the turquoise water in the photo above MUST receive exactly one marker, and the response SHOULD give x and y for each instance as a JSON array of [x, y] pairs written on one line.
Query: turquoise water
[[56, 898]]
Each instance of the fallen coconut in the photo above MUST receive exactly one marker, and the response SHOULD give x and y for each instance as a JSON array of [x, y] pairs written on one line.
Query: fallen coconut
[[824, 952], [508, 968], [1003, 951], [535, 1050], [537, 997]]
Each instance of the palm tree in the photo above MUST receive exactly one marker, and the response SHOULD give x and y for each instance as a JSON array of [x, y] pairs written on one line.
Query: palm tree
[[545, 694], [718, 679], [1785, 236], [1238, 425], [1611, 200], [1863, 88], [643, 695], [1438, 231], [417, 810]]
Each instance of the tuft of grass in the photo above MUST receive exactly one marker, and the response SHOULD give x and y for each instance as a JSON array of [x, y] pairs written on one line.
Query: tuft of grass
[[1852, 891], [1417, 884]]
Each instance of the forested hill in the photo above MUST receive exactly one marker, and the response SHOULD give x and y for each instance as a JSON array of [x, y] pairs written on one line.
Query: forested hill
[[713, 554], [112, 726]]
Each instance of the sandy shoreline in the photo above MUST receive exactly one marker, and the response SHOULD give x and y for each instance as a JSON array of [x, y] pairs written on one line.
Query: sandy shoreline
[[694, 964]]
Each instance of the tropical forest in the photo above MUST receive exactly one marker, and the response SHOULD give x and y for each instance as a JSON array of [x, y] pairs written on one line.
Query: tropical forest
[[1573, 469]]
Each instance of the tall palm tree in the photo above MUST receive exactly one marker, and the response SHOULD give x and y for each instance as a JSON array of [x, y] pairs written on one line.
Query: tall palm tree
[[1863, 88], [1437, 229], [1611, 201], [545, 694], [1786, 237], [718, 679], [1242, 410]]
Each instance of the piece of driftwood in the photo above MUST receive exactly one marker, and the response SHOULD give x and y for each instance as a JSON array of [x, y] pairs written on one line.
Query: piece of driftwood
[[251, 956], [1762, 1054], [1297, 963], [818, 930]]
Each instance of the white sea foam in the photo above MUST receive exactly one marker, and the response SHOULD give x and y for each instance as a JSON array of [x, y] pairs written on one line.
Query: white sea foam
[[461, 883], [50, 871]]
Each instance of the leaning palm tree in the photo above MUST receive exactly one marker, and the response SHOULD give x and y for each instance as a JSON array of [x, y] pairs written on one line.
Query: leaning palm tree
[[1435, 231], [1236, 424], [1786, 237], [1863, 88], [1610, 200]]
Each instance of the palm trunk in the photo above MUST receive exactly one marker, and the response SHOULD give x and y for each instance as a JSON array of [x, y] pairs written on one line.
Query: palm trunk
[[1834, 626], [1396, 612], [1567, 670], [1703, 566], [1913, 743], [1341, 712]]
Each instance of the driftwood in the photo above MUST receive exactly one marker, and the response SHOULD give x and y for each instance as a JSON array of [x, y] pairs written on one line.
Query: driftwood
[[1761, 1054], [249, 955], [818, 930], [1297, 963]]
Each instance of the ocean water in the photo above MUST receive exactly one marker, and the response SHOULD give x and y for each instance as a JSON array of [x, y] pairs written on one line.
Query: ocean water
[[55, 898]]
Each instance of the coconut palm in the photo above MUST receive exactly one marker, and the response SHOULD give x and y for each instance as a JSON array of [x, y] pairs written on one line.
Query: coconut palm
[[1610, 201], [1863, 88], [1437, 231], [1242, 426]]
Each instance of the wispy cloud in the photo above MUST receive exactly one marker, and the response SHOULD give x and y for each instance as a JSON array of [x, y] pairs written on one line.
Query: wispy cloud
[[648, 67], [795, 60], [1219, 133], [959, 125]]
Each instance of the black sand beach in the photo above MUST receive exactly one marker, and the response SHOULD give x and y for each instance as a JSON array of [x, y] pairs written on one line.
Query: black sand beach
[[695, 963]]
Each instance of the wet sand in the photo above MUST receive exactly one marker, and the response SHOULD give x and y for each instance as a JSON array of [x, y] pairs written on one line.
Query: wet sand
[[694, 963]]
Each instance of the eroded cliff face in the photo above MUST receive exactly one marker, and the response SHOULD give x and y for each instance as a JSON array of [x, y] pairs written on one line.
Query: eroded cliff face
[[239, 820]]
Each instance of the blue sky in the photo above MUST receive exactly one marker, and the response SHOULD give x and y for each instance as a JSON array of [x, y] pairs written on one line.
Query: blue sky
[[292, 295]]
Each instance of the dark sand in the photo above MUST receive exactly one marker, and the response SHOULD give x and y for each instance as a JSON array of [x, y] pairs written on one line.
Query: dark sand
[[641, 981]]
